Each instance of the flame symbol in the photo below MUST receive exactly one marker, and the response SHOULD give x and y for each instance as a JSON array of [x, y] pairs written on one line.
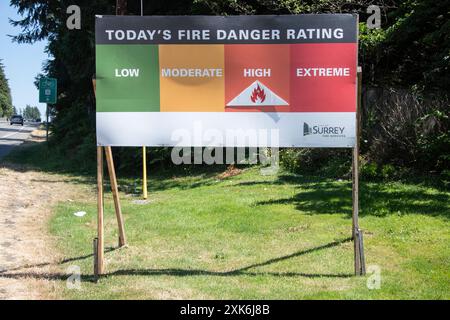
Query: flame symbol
[[258, 95]]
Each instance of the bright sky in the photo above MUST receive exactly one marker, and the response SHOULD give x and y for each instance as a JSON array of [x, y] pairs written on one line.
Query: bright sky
[[22, 61]]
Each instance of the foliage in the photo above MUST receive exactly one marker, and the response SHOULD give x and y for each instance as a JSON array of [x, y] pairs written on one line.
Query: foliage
[[433, 140], [6, 108], [410, 130], [411, 51], [326, 162], [371, 171], [419, 41]]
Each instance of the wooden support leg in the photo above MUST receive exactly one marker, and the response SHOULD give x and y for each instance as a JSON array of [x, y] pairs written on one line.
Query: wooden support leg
[[100, 242], [115, 192], [355, 212], [144, 173], [356, 232]]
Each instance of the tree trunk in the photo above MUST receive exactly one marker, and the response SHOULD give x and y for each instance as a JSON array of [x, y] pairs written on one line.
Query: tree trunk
[[121, 7]]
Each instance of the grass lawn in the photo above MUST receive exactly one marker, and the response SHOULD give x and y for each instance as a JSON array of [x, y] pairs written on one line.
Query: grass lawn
[[252, 236]]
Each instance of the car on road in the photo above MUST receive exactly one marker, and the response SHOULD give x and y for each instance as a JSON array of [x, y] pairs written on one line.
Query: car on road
[[16, 119]]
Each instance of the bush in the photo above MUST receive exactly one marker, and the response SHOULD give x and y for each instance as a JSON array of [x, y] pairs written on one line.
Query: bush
[[321, 161], [407, 129], [371, 171]]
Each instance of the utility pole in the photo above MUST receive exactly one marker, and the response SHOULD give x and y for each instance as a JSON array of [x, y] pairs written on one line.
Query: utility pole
[[46, 124]]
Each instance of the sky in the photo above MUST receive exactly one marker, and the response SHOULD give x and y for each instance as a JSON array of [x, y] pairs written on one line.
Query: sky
[[22, 61]]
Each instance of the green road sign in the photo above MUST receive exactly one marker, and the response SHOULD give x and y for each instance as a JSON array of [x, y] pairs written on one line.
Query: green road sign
[[47, 90]]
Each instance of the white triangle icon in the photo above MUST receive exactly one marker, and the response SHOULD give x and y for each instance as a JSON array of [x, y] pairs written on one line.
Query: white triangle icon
[[257, 94]]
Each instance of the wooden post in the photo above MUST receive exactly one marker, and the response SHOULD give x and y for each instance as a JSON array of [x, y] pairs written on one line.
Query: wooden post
[[121, 7], [114, 188], [115, 192], [356, 232], [100, 241]]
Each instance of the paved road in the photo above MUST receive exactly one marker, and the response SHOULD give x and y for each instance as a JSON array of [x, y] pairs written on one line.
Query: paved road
[[11, 136]]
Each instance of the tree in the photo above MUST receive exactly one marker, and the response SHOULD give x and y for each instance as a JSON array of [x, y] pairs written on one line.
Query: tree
[[410, 51], [6, 108], [36, 113], [413, 49], [27, 112]]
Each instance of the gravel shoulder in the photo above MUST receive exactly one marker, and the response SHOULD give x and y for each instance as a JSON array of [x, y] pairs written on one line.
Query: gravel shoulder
[[28, 258]]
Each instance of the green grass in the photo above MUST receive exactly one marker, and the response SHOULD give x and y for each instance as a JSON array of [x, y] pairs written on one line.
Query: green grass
[[255, 237]]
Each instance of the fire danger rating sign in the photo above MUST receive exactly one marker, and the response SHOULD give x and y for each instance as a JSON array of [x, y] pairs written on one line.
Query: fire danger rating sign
[[163, 80]]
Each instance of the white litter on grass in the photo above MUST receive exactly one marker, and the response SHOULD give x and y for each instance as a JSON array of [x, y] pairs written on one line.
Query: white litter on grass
[[79, 213], [140, 202]]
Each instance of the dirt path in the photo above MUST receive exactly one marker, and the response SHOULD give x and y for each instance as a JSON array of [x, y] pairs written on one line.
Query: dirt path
[[26, 251]]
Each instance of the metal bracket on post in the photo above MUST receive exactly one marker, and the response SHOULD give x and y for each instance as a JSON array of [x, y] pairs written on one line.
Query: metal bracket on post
[[360, 263], [95, 247], [362, 258]]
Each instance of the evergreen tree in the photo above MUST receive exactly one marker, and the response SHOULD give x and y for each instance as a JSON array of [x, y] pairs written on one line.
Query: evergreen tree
[[31, 113], [6, 108]]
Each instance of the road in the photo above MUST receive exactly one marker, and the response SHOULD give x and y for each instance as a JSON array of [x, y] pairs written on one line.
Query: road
[[11, 136], [28, 261], [26, 201]]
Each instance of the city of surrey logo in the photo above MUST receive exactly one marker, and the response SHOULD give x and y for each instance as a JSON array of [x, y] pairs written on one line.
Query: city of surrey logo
[[323, 130]]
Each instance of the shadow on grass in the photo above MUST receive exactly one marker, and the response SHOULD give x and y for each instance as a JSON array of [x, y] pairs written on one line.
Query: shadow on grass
[[46, 264], [376, 199], [243, 271], [170, 180], [37, 156]]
